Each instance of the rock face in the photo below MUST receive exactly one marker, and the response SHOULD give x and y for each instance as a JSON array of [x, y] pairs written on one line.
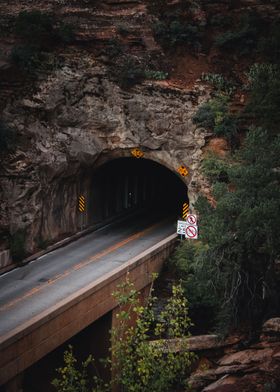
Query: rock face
[[253, 369], [76, 118]]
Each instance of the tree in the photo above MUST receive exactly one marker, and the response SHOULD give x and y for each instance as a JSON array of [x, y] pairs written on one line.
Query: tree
[[136, 364], [240, 237]]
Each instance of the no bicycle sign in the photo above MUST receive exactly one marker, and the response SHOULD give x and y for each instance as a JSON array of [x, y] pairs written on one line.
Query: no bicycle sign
[[192, 232]]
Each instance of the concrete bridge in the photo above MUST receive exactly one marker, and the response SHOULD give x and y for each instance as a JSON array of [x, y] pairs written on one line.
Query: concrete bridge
[[46, 302]]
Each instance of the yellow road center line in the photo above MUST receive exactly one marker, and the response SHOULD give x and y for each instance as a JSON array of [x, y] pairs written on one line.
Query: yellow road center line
[[76, 267]]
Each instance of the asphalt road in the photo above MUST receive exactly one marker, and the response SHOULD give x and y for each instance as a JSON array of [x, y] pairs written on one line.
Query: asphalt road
[[29, 290]]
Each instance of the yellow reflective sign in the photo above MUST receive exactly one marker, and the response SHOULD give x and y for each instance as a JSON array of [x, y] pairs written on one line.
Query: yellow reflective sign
[[82, 204], [137, 153], [183, 170], [186, 210]]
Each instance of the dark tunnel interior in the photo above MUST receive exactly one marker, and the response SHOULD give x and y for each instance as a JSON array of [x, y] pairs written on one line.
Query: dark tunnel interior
[[128, 184]]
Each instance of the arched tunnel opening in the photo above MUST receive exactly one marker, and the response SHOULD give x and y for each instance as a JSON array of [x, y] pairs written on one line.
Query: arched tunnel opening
[[124, 185]]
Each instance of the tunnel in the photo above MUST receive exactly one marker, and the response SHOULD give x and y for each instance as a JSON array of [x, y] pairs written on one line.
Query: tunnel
[[125, 185]]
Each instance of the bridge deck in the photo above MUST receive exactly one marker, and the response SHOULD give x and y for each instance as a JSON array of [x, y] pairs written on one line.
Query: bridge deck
[[33, 294]]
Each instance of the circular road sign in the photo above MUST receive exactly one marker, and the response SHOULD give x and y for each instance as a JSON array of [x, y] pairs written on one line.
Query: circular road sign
[[191, 219], [191, 232]]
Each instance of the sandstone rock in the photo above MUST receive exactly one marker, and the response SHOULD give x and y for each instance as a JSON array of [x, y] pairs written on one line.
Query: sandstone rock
[[247, 357], [224, 384], [272, 326]]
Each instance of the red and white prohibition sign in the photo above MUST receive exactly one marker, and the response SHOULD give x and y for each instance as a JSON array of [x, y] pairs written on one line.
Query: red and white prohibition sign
[[191, 232], [192, 219]]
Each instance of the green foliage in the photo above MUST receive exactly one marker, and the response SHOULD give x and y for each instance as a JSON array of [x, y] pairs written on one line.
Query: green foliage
[[246, 37], [17, 245], [264, 82], [190, 264], [241, 248], [73, 379], [144, 367], [220, 84], [156, 75], [215, 169], [175, 32], [138, 365], [214, 115], [7, 138]]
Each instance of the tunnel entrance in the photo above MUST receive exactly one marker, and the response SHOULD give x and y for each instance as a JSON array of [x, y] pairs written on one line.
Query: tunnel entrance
[[124, 185]]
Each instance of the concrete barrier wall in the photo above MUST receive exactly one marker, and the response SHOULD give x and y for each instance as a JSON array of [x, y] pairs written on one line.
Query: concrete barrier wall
[[30, 342]]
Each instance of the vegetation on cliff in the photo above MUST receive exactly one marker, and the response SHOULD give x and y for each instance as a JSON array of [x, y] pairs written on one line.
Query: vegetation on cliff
[[136, 364]]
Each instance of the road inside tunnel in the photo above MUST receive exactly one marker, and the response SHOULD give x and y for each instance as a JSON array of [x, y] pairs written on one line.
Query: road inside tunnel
[[127, 184]]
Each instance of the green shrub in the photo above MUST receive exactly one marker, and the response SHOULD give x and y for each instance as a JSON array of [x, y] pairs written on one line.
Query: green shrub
[[156, 75], [214, 168], [245, 38], [212, 112], [237, 259], [214, 115], [220, 84], [138, 365], [264, 103], [175, 32]]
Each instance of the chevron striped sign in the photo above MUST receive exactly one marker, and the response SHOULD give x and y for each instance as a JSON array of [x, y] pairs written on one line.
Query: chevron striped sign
[[82, 203], [186, 210]]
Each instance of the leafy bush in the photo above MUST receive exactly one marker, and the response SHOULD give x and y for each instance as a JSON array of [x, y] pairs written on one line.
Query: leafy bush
[[219, 83], [175, 32], [237, 262], [214, 114], [245, 37], [156, 75], [138, 365], [264, 82], [202, 290], [215, 168]]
